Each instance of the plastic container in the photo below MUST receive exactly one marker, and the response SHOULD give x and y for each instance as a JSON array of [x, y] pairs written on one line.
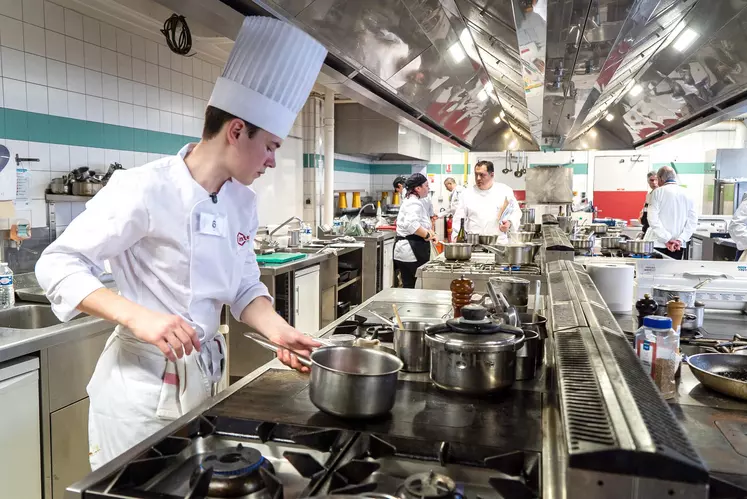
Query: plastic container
[[7, 291], [656, 346]]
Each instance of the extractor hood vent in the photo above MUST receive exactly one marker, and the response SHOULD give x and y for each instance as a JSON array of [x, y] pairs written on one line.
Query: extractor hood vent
[[361, 131]]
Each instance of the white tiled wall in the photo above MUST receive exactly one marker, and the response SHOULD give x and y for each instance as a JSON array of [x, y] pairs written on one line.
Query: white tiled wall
[[57, 61]]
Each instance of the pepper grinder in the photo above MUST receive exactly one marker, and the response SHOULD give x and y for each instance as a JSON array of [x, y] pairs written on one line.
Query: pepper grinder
[[645, 306], [462, 290], [676, 310]]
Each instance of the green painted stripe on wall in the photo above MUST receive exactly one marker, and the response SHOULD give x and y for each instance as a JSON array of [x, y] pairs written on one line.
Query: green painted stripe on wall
[[36, 127], [393, 169], [440, 169], [578, 168], [311, 160], [344, 165], [688, 168]]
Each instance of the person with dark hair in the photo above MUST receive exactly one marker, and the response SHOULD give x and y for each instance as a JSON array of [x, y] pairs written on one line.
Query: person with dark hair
[[399, 184], [488, 208], [653, 183], [671, 216], [178, 234], [455, 193], [412, 247]]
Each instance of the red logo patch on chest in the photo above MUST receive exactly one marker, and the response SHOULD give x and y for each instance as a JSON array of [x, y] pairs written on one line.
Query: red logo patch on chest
[[241, 239]]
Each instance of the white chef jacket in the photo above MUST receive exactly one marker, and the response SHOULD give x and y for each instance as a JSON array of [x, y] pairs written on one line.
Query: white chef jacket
[[454, 199], [671, 216], [480, 210], [738, 226], [412, 215], [172, 250]]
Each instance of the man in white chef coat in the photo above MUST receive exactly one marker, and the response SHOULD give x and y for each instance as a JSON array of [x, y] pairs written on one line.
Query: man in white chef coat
[[738, 230], [178, 234], [480, 206], [671, 215], [455, 191], [653, 182]]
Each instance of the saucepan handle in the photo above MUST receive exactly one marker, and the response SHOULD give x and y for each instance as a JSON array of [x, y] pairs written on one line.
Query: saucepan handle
[[305, 361]]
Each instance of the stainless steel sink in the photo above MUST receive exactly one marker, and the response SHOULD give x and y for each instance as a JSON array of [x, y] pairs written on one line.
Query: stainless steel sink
[[28, 316]]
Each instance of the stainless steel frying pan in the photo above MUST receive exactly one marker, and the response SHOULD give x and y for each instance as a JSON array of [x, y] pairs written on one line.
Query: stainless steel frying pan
[[723, 372]]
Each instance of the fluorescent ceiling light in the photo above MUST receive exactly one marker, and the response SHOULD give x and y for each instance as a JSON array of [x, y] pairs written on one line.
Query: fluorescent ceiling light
[[686, 38], [483, 95], [497, 120], [609, 117], [593, 132], [488, 87], [502, 114], [584, 145], [636, 90], [512, 144], [457, 52]]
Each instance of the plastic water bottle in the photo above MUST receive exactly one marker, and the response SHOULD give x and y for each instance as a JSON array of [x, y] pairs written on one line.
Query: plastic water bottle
[[7, 292]]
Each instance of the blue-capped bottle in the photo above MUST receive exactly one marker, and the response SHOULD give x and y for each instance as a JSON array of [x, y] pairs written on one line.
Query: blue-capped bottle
[[7, 290], [656, 345]]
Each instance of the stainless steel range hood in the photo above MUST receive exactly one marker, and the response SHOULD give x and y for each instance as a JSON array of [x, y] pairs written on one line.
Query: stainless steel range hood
[[361, 131], [491, 75]]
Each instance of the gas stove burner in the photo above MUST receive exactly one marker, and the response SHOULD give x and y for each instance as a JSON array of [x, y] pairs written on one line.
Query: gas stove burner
[[235, 471], [639, 255], [512, 268], [427, 485]]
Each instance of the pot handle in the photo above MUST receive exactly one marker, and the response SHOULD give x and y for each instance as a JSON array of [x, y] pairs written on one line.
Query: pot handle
[[305, 361], [438, 328]]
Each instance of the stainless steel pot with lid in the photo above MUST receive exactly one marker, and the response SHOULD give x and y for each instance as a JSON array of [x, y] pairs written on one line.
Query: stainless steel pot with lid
[[471, 362]]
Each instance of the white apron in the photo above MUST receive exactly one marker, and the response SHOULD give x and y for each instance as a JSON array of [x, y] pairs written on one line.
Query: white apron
[[172, 250]]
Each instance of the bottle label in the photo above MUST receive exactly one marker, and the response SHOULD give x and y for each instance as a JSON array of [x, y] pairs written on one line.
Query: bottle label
[[6, 280], [646, 351]]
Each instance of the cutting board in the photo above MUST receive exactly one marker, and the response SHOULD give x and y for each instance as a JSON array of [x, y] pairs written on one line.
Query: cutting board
[[279, 258]]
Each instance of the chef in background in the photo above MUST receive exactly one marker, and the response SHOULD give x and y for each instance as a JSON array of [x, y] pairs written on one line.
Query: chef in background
[[414, 231], [738, 230], [481, 204], [455, 192], [653, 183], [671, 215], [178, 234]]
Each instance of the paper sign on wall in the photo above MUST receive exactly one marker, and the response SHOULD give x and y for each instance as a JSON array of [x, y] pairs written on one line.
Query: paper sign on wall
[[431, 178], [448, 168]]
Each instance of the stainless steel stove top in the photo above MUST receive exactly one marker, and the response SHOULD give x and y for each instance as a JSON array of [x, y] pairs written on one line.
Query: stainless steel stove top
[[225, 457]]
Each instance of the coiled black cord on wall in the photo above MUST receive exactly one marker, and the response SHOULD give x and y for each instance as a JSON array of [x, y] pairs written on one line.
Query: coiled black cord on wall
[[178, 36]]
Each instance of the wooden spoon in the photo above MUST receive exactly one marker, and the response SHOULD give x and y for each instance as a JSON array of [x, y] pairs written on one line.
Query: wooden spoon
[[396, 316]]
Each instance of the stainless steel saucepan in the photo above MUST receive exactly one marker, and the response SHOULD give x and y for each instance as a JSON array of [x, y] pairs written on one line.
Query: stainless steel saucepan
[[348, 381], [514, 253], [457, 251]]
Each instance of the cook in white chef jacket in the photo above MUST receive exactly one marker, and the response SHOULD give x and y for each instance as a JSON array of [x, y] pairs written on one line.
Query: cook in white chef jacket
[[414, 231], [738, 230], [672, 217], [178, 234], [480, 205], [455, 192]]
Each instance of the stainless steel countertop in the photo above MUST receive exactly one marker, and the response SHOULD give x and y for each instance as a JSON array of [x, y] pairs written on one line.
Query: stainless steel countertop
[[17, 342], [379, 235], [308, 261]]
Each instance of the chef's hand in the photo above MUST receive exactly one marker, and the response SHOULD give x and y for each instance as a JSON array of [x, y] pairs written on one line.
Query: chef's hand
[[505, 225], [170, 333], [431, 236], [293, 339]]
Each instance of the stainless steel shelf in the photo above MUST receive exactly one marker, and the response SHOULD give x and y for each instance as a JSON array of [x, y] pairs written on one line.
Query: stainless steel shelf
[[65, 198], [345, 284]]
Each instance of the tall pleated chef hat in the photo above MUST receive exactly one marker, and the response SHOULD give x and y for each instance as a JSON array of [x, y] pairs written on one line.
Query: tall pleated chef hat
[[269, 74]]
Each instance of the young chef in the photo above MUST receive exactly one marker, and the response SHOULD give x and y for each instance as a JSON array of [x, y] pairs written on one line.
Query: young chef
[[481, 204], [178, 234], [671, 215], [412, 247]]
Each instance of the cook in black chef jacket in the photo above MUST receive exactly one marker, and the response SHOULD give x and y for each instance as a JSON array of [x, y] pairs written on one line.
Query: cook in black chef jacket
[[653, 183], [414, 231]]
